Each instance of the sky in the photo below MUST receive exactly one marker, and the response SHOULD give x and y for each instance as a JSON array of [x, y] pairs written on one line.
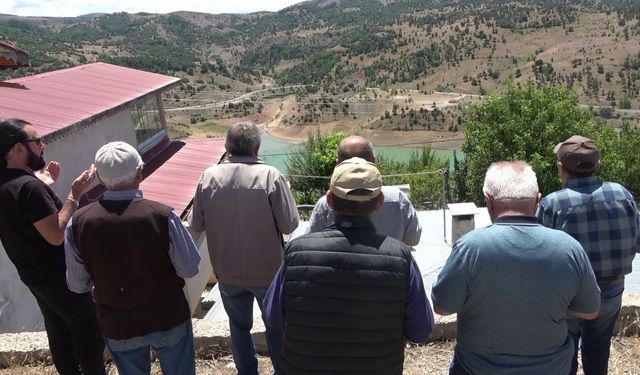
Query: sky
[[73, 8]]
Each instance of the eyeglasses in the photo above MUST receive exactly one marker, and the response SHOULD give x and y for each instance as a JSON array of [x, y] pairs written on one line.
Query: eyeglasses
[[37, 141]]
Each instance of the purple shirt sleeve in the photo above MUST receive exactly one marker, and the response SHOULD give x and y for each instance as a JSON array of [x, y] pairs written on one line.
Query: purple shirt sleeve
[[637, 228], [418, 316], [273, 303]]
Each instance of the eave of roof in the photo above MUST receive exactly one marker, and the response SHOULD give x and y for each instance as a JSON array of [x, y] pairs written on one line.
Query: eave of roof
[[56, 101]]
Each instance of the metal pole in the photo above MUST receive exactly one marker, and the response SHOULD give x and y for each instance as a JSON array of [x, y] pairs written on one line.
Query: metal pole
[[444, 202]]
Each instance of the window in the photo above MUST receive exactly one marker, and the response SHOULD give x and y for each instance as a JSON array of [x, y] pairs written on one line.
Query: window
[[146, 119]]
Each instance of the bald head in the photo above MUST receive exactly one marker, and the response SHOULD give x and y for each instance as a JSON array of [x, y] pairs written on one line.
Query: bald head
[[355, 146]]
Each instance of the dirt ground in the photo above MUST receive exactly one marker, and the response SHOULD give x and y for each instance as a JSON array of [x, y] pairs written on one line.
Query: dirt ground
[[271, 121], [442, 140], [437, 140], [432, 358]]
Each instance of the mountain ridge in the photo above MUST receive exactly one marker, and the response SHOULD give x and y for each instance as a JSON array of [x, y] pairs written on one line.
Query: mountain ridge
[[349, 44]]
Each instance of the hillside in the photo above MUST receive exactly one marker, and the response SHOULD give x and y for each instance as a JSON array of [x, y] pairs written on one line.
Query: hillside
[[343, 47]]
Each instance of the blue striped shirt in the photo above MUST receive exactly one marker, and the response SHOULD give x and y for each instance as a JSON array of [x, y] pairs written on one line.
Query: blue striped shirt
[[602, 216]]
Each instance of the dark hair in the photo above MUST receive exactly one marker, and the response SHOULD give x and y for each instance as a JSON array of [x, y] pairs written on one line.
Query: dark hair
[[586, 172], [362, 150], [242, 139], [575, 174], [11, 132], [354, 208]]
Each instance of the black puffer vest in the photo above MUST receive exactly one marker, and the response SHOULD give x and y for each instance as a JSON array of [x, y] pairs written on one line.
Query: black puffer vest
[[345, 291]]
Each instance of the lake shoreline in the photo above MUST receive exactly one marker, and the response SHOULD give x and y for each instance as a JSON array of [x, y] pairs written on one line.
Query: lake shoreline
[[389, 138]]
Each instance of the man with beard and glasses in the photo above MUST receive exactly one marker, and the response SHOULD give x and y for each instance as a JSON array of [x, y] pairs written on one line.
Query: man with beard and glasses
[[32, 225]]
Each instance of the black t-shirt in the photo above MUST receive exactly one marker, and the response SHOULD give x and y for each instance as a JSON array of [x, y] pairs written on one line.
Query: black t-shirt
[[24, 200]]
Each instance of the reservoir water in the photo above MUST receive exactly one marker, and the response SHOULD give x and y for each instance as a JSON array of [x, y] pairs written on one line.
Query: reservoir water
[[275, 152]]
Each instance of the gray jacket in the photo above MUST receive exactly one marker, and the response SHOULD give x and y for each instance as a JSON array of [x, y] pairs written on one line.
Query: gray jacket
[[244, 205], [396, 218]]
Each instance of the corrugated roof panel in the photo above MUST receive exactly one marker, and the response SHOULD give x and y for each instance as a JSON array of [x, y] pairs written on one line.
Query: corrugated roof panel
[[175, 181], [54, 100]]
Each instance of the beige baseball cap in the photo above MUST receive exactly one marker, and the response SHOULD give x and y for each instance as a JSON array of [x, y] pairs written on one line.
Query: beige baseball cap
[[356, 174], [578, 154]]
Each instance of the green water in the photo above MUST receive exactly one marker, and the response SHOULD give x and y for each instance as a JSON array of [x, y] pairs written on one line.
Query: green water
[[275, 152], [404, 153]]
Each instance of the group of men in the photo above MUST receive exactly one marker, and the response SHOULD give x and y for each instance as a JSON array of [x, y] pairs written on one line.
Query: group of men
[[346, 296], [547, 276], [110, 274]]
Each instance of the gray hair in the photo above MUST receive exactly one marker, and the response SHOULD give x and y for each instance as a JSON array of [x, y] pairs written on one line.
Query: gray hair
[[242, 139], [128, 180], [510, 180]]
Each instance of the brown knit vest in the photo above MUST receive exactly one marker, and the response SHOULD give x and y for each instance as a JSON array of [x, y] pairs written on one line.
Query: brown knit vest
[[125, 248]]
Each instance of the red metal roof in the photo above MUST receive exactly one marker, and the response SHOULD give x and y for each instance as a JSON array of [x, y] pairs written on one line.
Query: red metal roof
[[55, 100], [175, 173]]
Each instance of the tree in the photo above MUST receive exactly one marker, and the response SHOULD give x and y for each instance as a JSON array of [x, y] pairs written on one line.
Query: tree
[[424, 172], [525, 124], [619, 156], [317, 157]]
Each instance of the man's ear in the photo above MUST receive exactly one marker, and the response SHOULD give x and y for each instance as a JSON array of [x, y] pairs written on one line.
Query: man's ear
[[10, 154], [562, 172], [330, 199], [100, 180], [598, 166], [15, 150], [379, 201], [139, 174], [535, 205], [488, 200]]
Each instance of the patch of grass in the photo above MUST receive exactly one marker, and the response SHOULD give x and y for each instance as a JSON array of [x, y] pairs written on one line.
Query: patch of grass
[[211, 127]]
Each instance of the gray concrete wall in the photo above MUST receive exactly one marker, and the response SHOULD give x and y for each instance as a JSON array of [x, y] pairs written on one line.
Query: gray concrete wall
[[193, 287], [22, 313], [76, 151]]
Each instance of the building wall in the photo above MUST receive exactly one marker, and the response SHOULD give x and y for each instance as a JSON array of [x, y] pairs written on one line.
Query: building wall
[[76, 151], [22, 313]]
